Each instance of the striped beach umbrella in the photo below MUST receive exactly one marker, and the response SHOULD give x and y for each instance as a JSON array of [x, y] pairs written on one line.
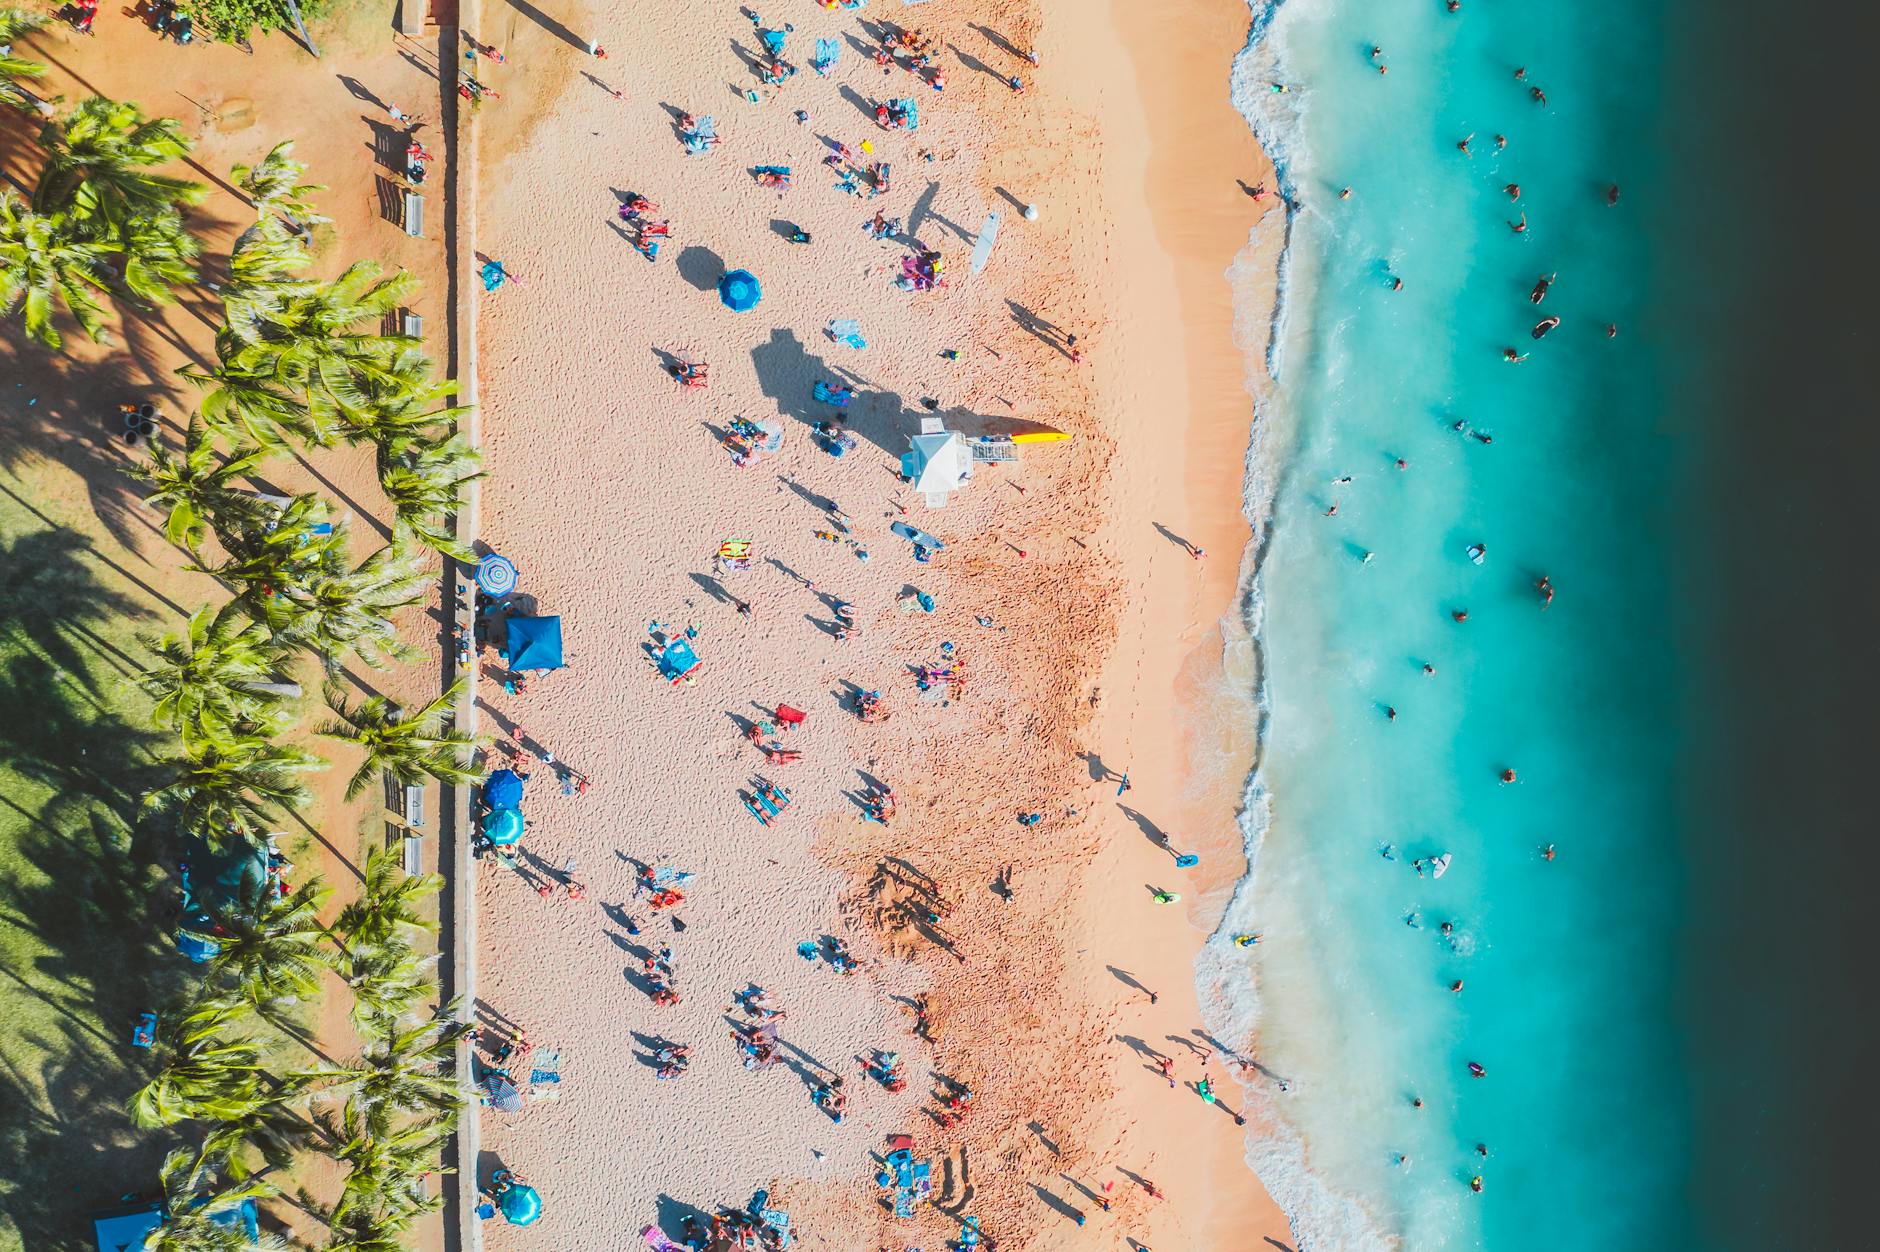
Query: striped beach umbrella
[[496, 575]]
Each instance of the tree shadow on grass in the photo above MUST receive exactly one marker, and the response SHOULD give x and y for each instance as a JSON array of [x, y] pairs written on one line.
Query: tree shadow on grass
[[83, 909]]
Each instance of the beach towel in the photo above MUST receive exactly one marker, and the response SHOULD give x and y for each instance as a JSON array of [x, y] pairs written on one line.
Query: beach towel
[[773, 41], [493, 275], [846, 330], [657, 1241], [828, 51]]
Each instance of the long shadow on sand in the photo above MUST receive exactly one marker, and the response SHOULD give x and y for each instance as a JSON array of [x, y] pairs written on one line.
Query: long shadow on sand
[[786, 370]]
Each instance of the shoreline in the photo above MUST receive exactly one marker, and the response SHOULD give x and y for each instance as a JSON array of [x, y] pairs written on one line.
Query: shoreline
[[1219, 251]]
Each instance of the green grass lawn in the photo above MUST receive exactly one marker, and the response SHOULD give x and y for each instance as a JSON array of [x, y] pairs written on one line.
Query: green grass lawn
[[84, 904]]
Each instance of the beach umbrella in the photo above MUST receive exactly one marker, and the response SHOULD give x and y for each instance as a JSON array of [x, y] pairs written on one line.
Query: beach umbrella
[[503, 827], [520, 1205], [502, 1093], [503, 789], [496, 574], [533, 643], [739, 291]]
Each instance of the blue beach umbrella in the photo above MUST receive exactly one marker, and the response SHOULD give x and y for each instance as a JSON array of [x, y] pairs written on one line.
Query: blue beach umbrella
[[502, 827], [520, 1204], [503, 789], [739, 291], [496, 574]]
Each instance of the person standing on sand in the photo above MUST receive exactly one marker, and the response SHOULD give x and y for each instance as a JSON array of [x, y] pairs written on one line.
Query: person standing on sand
[[1168, 1071]]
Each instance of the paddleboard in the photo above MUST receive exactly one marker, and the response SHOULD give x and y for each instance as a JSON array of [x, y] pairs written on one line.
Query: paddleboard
[[1439, 865]]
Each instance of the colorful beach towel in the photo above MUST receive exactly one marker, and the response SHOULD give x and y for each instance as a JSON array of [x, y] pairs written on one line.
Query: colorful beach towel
[[828, 52]]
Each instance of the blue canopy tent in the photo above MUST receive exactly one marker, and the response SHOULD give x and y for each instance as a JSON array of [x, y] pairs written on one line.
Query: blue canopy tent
[[503, 827], [534, 643], [233, 878], [740, 291], [503, 789], [125, 1230], [129, 1229]]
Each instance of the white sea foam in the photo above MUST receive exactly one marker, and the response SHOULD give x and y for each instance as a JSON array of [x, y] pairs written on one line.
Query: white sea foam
[[1322, 1218]]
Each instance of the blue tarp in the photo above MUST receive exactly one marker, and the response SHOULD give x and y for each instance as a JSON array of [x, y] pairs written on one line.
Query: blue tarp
[[677, 660], [503, 789], [534, 643]]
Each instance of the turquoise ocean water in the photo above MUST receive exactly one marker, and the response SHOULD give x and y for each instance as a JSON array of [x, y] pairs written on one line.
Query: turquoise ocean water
[[1603, 1065]]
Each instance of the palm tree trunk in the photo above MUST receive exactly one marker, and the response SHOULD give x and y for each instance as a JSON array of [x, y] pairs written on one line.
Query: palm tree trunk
[[301, 26]]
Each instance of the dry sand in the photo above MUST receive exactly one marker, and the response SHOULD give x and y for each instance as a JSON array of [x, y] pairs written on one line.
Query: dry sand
[[611, 494]]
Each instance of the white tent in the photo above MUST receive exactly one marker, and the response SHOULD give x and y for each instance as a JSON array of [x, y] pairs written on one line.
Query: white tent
[[937, 461]]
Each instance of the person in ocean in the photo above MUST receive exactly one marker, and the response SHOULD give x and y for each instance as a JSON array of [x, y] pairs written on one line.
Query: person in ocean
[[1513, 190], [1520, 227], [1543, 326], [1541, 285]]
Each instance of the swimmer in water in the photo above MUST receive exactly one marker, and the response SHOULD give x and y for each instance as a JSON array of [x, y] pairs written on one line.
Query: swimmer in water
[[1507, 775], [1376, 52], [1547, 853], [1456, 986], [1482, 436], [1333, 511], [1544, 325], [1541, 285], [1612, 195], [1246, 941], [1448, 928], [1463, 145], [1546, 588], [1475, 1184], [1396, 283], [1501, 142], [1476, 1069], [1538, 96], [1513, 190], [1512, 357], [1460, 615], [1402, 464], [1344, 193], [1429, 670], [1390, 712], [1388, 852], [1520, 227], [1612, 330]]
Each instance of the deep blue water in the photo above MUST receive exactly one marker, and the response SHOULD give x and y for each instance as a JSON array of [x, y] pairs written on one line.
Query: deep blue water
[[1668, 1010]]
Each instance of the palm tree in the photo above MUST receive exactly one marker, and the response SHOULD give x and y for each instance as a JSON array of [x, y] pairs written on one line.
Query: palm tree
[[425, 482], [41, 264], [273, 1131], [232, 785], [205, 1075], [387, 1162], [15, 23], [334, 610], [384, 911], [407, 746], [273, 551], [274, 956], [156, 254], [246, 407], [197, 486], [305, 339], [191, 1203], [99, 164], [215, 675], [402, 402], [273, 183], [405, 1071], [389, 981]]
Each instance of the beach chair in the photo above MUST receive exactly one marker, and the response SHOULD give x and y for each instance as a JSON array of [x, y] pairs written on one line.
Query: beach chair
[[144, 1033], [414, 215], [414, 855]]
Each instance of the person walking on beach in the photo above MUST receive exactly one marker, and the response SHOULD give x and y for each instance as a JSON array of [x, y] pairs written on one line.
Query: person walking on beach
[[1168, 1071]]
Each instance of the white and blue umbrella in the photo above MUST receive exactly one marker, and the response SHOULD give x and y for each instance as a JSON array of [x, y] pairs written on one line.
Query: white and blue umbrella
[[496, 575]]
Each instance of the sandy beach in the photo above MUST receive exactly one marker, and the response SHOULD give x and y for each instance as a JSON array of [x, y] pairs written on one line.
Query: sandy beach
[[1067, 589]]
